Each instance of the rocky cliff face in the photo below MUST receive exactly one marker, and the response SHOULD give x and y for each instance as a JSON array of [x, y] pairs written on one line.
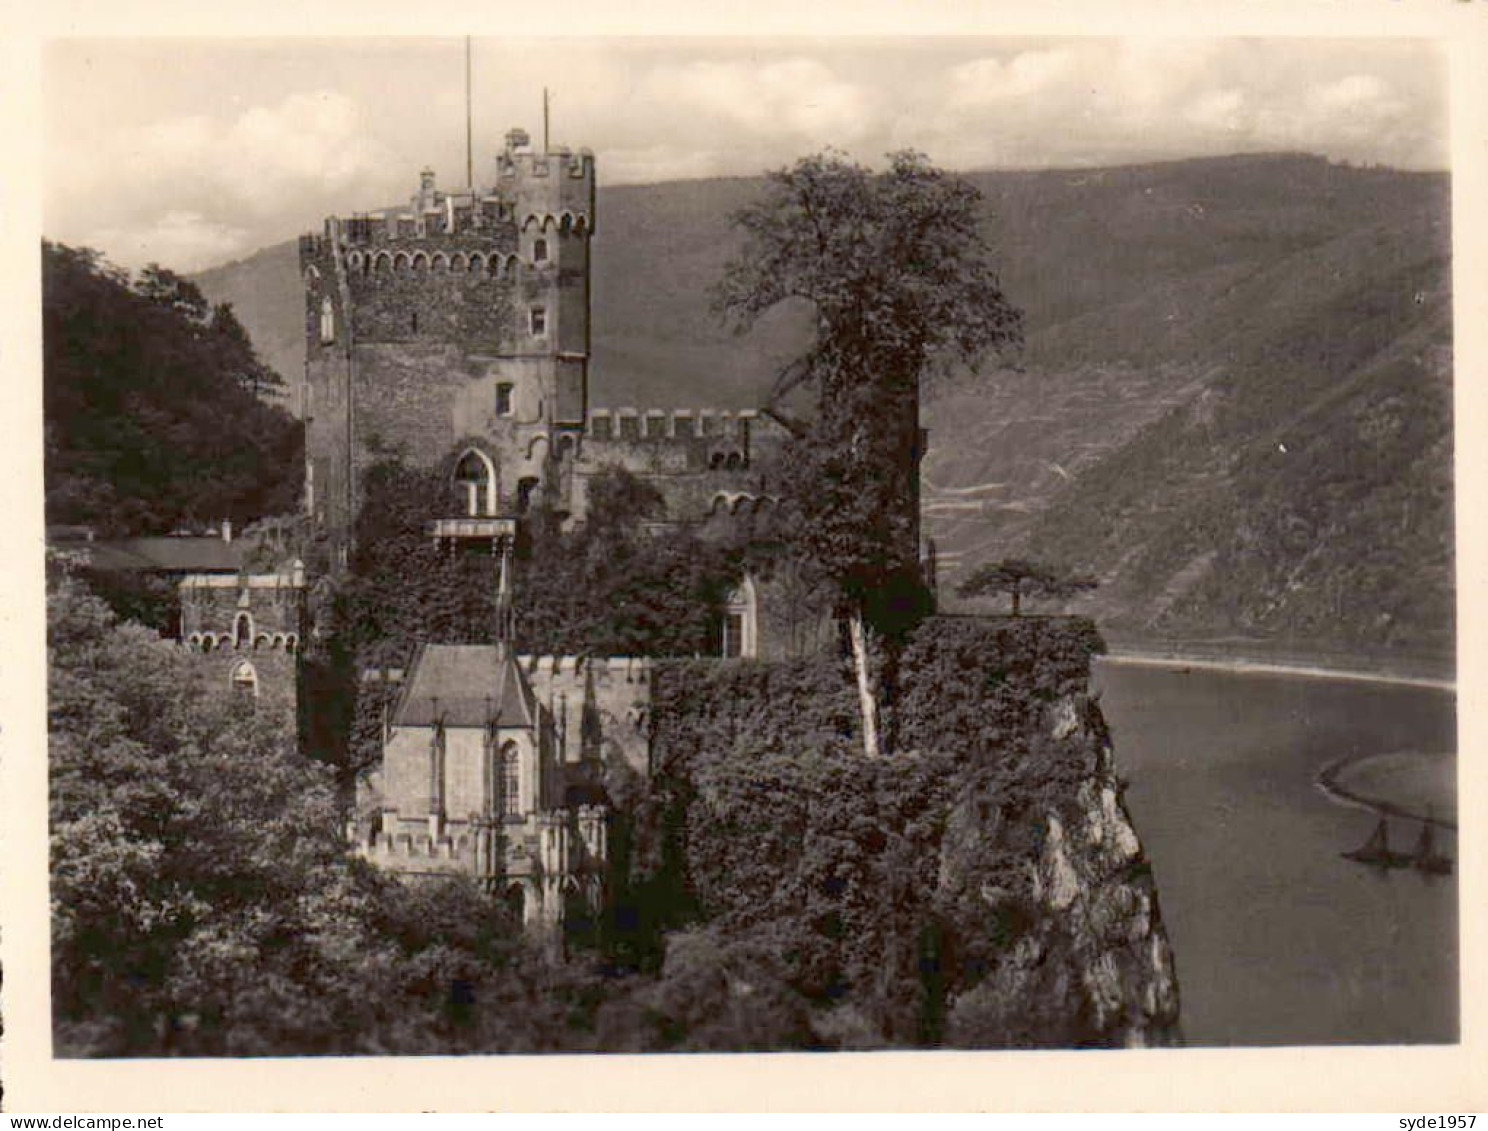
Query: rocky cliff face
[[1048, 870]]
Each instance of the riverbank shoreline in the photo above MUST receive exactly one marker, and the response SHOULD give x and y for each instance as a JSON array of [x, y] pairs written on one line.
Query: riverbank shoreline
[[1339, 782], [1245, 666]]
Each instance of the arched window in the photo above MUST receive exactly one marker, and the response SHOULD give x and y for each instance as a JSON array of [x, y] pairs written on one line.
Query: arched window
[[526, 486], [475, 476], [540, 251], [740, 626], [242, 630], [327, 321], [244, 681], [511, 781], [516, 902]]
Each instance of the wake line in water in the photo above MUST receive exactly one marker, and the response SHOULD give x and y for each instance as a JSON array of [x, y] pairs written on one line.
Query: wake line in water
[[1255, 667]]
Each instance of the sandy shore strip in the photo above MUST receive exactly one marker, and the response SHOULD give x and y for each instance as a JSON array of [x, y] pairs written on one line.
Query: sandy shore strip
[[1266, 667], [1407, 783]]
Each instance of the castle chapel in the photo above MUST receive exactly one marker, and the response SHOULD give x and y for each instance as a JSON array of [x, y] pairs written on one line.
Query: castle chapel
[[459, 326]]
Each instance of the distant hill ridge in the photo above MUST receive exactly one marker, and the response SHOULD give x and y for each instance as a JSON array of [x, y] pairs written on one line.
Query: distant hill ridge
[[1181, 317]]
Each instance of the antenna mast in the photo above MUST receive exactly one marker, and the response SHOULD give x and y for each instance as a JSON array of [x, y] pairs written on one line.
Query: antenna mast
[[469, 159]]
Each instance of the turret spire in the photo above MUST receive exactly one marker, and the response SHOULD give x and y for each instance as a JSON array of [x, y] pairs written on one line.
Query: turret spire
[[505, 615]]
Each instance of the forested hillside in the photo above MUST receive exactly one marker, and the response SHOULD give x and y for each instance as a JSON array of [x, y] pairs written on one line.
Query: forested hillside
[[1184, 319], [155, 404]]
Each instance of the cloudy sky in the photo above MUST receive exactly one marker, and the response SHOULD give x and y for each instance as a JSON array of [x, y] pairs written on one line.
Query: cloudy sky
[[194, 152]]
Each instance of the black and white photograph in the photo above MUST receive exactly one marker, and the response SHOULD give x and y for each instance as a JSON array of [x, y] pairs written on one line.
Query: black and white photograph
[[575, 546]]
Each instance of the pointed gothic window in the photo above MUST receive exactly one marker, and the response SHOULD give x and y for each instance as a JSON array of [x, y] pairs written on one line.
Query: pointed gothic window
[[511, 781], [327, 321]]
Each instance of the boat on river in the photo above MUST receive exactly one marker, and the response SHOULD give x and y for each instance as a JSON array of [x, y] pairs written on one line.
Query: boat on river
[[1376, 851], [1428, 859]]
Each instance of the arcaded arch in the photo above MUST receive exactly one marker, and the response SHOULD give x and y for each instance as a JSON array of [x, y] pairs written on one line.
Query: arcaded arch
[[383, 263], [457, 261], [566, 224], [477, 263], [420, 261], [581, 225], [439, 262], [400, 262]]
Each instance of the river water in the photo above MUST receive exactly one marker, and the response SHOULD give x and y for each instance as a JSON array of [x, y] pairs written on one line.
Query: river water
[[1278, 940]]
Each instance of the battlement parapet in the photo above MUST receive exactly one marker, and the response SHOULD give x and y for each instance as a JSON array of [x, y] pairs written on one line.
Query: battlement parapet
[[627, 669], [669, 424]]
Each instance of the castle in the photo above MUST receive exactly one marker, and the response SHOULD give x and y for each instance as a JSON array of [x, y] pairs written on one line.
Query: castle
[[455, 332], [461, 323]]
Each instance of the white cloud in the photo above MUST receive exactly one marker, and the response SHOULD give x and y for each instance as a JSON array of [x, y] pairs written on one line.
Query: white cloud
[[1223, 110], [649, 164], [1350, 95], [799, 96], [266, 140], [988, 82], [194, 183], [183, 241]]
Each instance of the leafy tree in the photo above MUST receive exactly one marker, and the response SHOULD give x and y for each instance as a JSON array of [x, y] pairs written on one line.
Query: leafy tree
[[1018, 579], [231, 344], [152, 413], [898, 274]]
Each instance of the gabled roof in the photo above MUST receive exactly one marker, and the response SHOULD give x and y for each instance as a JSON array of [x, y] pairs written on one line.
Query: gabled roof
[[473, 683], [163, 555]]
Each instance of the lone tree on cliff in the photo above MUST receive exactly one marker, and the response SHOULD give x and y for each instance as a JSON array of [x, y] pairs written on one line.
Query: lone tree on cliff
[[900, 278], [1018, 578]]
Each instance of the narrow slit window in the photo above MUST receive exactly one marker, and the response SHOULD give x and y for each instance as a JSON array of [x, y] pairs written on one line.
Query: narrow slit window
[[504, 399], [733, 636], [539, 321]]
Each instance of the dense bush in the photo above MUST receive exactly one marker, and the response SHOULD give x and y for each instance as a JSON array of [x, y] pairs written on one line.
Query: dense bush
[[868, 877], [976, 686]]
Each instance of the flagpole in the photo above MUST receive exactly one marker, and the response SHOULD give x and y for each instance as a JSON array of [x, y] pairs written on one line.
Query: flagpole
[[469, 156]]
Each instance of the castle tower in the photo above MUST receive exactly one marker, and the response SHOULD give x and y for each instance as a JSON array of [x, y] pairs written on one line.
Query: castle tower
[[454, 328]]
